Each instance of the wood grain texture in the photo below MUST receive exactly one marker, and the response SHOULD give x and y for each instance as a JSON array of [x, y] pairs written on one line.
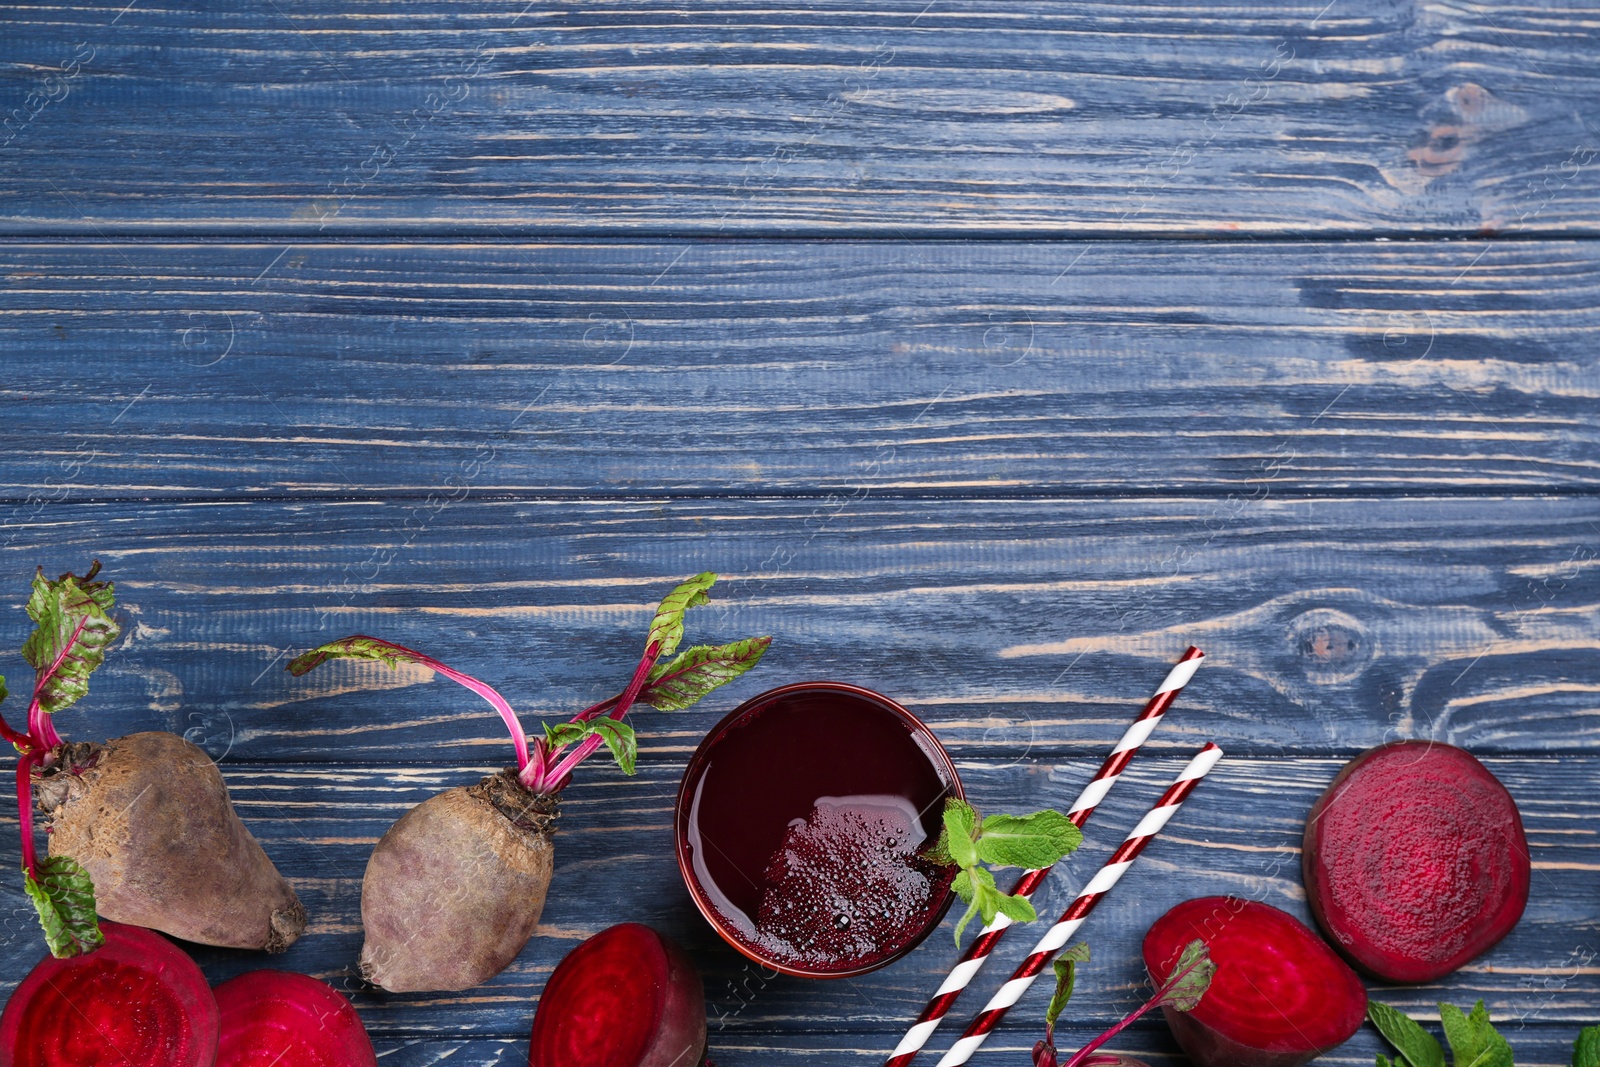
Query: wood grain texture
[[797, 367], [1012, 626], [908, 117], [1238, 834]]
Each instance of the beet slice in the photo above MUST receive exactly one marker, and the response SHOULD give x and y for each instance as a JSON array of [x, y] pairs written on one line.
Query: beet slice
[[137, 1001], [1280, 997], [1415, 861], [283, 1019], [627, 997]]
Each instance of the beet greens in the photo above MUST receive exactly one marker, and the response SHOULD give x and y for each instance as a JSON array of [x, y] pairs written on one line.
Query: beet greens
[[545, 765]]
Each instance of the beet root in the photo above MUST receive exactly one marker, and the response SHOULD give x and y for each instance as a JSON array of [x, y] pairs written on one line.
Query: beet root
[[455, 888], [283, 1019], [1415, 861], [1280, 997], [148, 816], [137, 1001], [627, 997]]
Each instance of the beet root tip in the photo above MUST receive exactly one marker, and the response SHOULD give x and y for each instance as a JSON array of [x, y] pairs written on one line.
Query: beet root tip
[[455, 888]]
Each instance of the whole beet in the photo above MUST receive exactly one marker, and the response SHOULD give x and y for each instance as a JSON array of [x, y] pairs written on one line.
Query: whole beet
[[455, 888], [148, 816]]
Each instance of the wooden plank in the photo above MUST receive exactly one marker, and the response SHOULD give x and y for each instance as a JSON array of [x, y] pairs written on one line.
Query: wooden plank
[[909, 117], [1009, 624], [993, 368], [1535, 1046], [1239, 834]]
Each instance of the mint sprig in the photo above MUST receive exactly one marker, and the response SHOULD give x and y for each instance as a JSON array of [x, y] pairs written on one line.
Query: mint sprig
[[1473, 1041], [1027, 841], [74, 626], [1586, 1051], [63, 894]]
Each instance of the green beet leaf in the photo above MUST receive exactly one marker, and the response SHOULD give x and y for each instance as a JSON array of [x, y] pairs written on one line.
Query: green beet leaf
[[1415, 1045], [563, 734], [72, 616], [1066, 977], [350, 648], [1586, 1052], [620, 739], [678, 685], [666, 629], [1027, 841], [1189, 978], [63, 895]]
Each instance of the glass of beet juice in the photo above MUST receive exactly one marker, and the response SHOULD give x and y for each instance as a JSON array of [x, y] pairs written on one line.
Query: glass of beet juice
[[801, 823]]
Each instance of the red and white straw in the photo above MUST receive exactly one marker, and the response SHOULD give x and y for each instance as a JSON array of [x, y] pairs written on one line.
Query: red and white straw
[[1059, 934], [1082, 808]]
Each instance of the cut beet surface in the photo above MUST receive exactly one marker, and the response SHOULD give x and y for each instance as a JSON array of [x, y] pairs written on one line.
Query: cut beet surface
[[627, 997], [1415, 861], [282, 1019], [1280, 997], [137, 1001]]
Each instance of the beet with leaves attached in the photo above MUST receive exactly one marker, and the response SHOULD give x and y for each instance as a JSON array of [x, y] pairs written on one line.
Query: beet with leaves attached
[[454, 889], [1281, 996], [142, 830]]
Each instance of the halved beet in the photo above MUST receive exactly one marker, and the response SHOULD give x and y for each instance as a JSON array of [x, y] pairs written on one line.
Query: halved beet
[[627, 997], [137, 1001], [1415, 861], [283, 1019], [1280, 997]]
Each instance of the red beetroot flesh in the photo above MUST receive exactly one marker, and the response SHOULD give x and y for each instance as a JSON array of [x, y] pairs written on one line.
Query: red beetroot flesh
[[137, 1001], [282, 1019], [1415, 861], [1280, 997], [627, 997]]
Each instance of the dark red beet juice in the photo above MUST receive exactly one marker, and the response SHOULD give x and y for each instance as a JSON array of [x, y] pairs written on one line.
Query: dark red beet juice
[[801, 823]]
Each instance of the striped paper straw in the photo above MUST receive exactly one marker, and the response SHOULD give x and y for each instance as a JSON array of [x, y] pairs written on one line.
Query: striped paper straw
[[1082, 808], [1059, 934]]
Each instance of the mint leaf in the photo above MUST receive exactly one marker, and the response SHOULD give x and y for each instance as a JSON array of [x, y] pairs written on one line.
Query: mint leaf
[[677, 685], [72, 617], [4, 692], [63, 895], [971, 885], [1027, 841], [1414, 1044], [1384, 1061], [960, 822], [1017, 909], [1189, 978], [666, 629], [620, 739], [1586, 1052], [1066, 977], [356, 647], [1473, 1041]]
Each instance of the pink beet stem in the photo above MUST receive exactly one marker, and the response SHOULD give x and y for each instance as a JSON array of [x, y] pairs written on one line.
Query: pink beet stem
[[22, 741], [1083, 1056], [553, 778], [25, 762], [518, 737], [40, 727]]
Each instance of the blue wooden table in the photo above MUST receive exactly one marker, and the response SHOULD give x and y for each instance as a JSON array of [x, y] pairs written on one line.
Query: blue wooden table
[[993, 351]]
